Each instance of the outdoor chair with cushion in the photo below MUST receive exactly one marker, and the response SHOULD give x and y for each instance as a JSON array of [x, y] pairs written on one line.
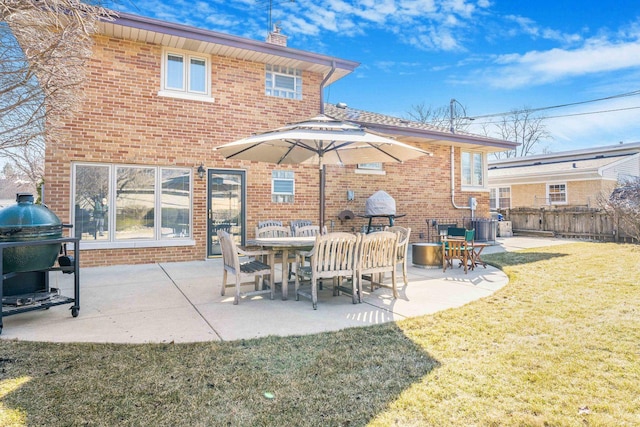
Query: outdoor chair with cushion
[[456, 231], [333, 257], [377, 255], [457, 249], [246, 269], [403, 248]]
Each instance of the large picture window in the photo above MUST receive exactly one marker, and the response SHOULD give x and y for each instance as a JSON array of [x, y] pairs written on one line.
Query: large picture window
[[118, 203], [472, 169]]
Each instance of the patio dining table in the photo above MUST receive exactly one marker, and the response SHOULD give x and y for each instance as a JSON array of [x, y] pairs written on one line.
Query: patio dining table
[[284, 245]]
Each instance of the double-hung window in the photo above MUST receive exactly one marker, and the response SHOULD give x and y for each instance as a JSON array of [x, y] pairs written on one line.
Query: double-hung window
[[283, 82], [116, 204], [557, 194], [185, 75], [472, 169], [500, 198]]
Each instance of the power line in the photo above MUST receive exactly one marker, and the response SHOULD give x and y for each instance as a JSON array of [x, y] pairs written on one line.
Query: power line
[[623, 95], [566, 115]]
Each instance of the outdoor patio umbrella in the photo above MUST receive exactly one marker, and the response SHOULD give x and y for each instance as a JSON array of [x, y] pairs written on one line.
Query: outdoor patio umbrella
[[321, 141]]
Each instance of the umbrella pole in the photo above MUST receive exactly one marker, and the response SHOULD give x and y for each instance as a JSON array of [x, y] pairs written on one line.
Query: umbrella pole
[[322, 179]]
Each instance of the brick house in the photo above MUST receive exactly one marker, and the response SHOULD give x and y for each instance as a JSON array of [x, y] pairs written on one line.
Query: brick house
[[137, 176], [565, 179]]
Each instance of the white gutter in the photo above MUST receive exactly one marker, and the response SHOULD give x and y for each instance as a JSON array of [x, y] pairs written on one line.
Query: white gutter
[[453, 184], [324, 81]]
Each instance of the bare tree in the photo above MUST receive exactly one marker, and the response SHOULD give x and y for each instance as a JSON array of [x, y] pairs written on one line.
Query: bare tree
[[44, 45], [521, 126], [623, 205], [443, 117]]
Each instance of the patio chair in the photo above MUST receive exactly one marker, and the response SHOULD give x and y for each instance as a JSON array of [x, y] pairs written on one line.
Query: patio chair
[[456, 249], [333, 257], [309, 230], [298, 223], [242, 271], [276, 231], [377, 255], [403, 248], [268, 223], [273, 231]]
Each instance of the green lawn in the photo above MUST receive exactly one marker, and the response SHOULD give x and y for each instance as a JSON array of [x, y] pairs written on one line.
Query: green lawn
[[558, 346]]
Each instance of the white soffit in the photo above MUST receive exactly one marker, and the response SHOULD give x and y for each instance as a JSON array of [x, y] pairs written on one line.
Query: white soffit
[[177, 36]]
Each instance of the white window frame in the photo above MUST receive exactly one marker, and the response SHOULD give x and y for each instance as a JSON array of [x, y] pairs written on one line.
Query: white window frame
[[496, 191], [113, 243], [375, 168], [272, 72], [472, 185], [566, 193], [185, 92], [281, 196]]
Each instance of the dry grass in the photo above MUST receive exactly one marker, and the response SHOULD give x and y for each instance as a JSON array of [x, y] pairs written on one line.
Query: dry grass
[[558, 346]]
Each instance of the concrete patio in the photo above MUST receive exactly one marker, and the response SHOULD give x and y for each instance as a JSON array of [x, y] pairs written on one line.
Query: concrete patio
[[181, 302]]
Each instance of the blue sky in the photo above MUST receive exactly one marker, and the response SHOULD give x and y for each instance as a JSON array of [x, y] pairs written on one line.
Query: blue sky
[[492, 56]]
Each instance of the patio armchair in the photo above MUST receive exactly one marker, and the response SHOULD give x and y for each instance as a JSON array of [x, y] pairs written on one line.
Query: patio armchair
[[267, 231], [269, 222], [242, 271], [333, 257], [403, 248], [298, 223], [377, 255], [309, 230], [461, 250]]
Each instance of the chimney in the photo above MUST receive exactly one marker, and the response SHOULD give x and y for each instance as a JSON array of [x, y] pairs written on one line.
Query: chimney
[[276, 37]]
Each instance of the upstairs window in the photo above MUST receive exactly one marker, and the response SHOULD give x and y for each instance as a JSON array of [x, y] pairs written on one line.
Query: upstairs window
[[283, 82], [185, 75], [472, 169]]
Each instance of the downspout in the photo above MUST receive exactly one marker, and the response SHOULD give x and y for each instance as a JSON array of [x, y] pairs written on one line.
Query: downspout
[[323, 168], [453, 184], [324, 81]]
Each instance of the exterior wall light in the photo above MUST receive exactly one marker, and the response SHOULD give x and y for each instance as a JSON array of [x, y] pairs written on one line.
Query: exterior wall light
[[201, 171]]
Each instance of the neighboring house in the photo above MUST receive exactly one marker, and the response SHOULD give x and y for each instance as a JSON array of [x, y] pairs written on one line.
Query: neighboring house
[[160, 96], [569, 178]]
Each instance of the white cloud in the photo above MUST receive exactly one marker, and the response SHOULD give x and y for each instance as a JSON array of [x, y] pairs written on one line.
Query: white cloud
[[611, 122], [541, 67]]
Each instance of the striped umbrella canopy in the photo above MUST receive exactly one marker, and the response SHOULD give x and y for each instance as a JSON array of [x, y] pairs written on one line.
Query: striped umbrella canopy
[[320, 141]]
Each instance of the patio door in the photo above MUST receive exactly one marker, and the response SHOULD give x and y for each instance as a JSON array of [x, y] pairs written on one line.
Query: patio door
[[225, 207]]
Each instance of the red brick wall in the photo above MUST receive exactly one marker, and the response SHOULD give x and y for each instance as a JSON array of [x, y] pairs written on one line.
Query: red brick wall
[[123, 120]]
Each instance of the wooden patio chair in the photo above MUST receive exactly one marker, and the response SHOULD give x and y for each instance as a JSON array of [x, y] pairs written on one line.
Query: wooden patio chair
[[403, 248], [456, 249], [377, 255], [268, 223], [333, 257], [309, 230], [298, 223], [277, 231], [242, 271]]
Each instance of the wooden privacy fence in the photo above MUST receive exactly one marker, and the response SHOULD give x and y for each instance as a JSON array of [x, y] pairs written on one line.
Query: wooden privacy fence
[[571, 222]]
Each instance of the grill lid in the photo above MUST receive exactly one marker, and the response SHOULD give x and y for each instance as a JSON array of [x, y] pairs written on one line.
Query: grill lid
[[26, 220], [380, 203]]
